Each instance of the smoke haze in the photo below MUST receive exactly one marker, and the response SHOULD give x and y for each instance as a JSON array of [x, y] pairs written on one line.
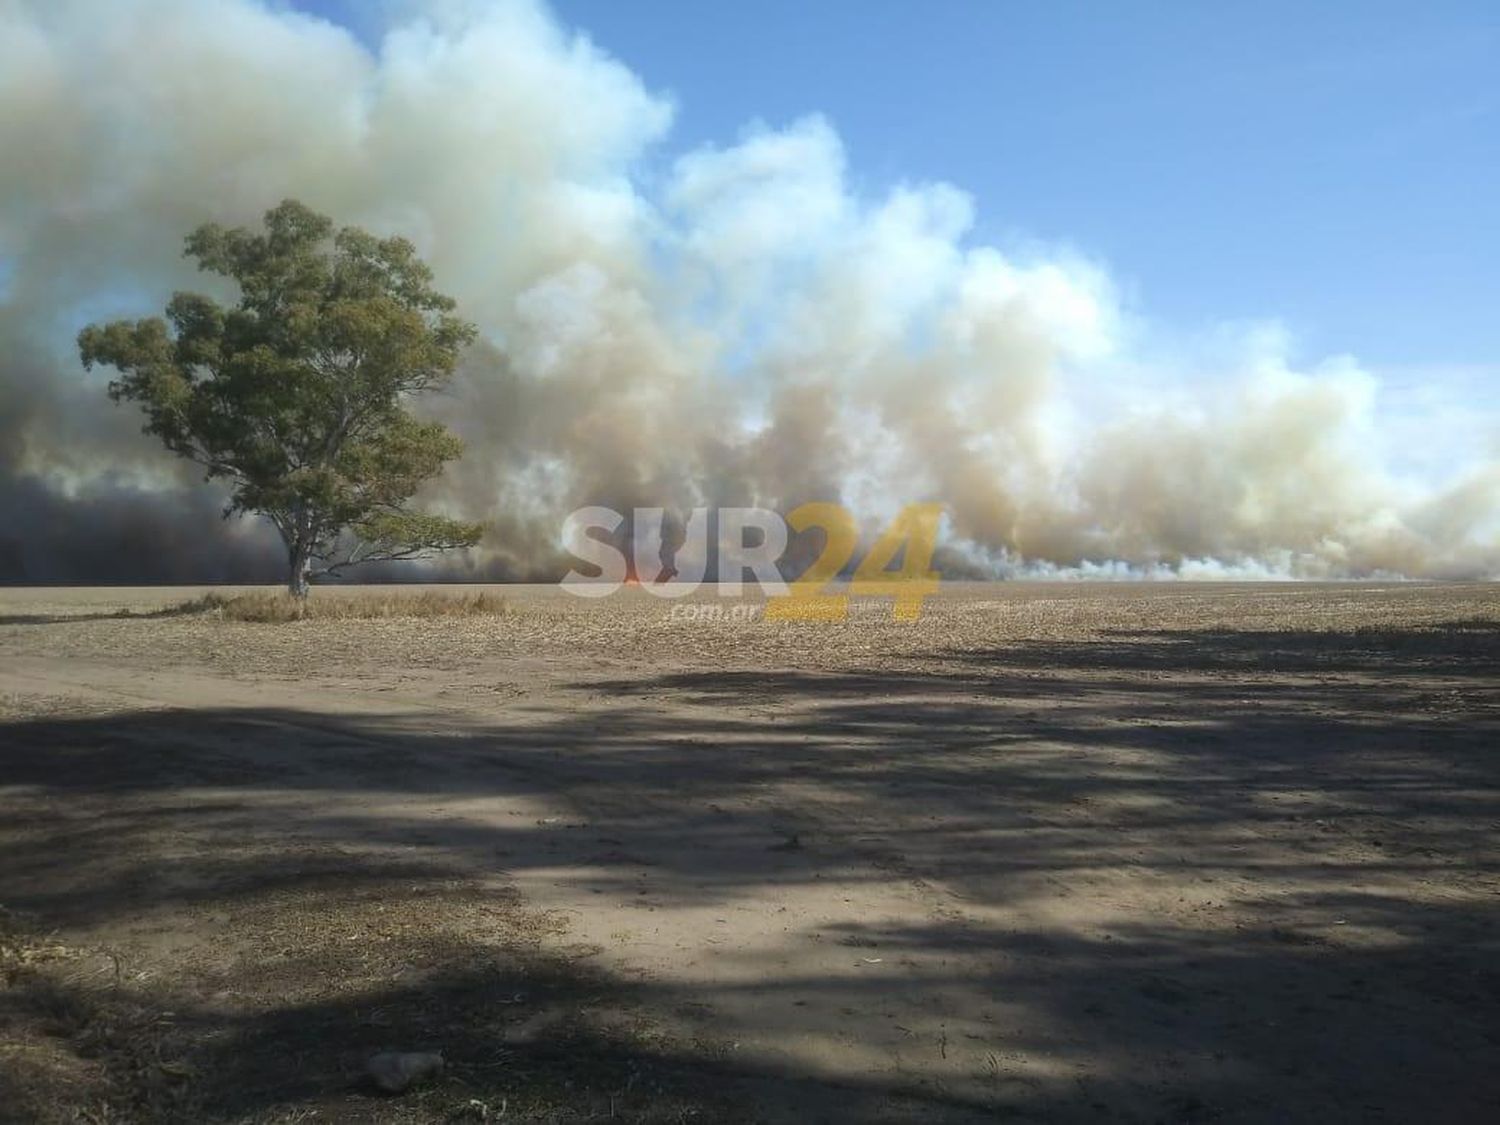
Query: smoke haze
[[738, 326]]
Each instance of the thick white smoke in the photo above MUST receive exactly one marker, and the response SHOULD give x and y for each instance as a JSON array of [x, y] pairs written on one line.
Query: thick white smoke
[[748, 329]]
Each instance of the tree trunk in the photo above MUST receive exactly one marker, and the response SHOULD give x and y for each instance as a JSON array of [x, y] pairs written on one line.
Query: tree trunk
[[300, 561]]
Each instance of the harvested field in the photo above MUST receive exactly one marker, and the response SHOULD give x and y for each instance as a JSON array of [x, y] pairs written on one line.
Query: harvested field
[[1125, 852]]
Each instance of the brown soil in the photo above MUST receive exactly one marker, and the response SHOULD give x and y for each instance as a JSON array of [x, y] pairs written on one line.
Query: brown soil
[[1071, 852]]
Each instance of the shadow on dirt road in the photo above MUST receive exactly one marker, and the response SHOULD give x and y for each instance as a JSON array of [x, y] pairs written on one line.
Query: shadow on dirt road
[[1174, 876]]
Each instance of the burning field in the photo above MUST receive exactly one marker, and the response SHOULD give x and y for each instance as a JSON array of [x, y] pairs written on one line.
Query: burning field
[[1140, 852], [1128, 373]]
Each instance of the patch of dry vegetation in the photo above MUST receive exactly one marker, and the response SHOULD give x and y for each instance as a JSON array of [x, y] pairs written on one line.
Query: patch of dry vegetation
[[278, 606], [79, 1042], [330, 972]]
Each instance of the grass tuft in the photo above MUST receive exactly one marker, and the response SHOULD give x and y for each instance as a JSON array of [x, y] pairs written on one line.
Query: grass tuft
[[279, 606]]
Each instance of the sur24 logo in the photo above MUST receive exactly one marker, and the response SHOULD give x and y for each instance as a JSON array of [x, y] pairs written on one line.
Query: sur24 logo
[[898, 564]]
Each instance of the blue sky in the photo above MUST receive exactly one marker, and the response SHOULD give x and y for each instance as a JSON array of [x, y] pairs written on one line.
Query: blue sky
[[1331, 166]]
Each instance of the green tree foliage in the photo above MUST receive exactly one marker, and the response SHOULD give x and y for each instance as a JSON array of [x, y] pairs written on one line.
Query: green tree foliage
[[297, 395]]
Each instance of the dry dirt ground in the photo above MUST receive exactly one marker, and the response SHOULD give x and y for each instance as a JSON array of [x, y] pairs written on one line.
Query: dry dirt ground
[[1140, 853]]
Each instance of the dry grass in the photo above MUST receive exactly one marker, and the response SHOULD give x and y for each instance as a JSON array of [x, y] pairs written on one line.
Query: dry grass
[[544, 622], [93, 1037], [279, 607], [79, 1042]]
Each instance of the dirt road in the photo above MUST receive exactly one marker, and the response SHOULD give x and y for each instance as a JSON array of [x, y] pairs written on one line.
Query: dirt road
[[1125, 852]]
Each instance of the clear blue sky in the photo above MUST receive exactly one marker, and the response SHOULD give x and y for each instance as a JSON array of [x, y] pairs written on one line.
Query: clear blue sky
[[1335, 165]]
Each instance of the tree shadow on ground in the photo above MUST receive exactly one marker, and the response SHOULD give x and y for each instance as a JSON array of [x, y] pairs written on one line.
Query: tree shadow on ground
[[1465, 648], [1303, 825]]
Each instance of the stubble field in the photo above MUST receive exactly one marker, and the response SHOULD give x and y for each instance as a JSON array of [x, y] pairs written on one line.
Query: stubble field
[[1120, 852]]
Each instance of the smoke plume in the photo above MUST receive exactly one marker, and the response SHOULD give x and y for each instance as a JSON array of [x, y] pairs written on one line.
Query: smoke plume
[[735, 326]]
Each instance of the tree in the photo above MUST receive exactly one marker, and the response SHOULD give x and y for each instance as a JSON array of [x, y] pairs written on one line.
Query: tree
[[297, 395]]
